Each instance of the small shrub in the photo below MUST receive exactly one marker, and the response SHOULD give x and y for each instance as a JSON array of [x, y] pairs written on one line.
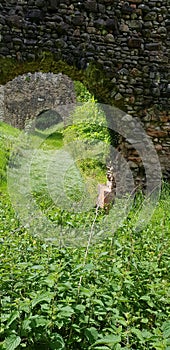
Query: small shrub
[[89, 126]]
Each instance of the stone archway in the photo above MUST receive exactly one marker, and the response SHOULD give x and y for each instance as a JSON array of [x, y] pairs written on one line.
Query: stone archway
[[47, 119], [26, 96]]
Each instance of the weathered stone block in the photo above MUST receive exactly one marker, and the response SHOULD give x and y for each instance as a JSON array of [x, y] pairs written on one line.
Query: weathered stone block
[[91, 5], [135, 43], [152, 46]]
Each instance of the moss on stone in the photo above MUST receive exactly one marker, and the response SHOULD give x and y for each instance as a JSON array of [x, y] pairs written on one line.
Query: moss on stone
[[11, 68], [94, 78]]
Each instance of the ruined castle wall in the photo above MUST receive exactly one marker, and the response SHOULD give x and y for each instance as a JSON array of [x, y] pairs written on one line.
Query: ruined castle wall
[[130, 39]]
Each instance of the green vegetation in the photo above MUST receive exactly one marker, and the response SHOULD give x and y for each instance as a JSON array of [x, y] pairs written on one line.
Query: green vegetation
[[91, 129], [111, 295], [7, 135], [123, 301]]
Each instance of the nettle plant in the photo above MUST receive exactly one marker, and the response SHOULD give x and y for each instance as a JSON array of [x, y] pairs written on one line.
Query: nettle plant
[[112, 296]]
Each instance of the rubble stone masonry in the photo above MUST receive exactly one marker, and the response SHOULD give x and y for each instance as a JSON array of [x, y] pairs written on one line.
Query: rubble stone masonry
[[130, 39]]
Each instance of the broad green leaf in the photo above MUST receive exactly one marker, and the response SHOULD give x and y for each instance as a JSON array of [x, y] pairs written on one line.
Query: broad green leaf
[[57, 342], [144, 320], [12, 342], [64, 286], [109, 340], [166, 329], [138, 333], [78, 267], [37, 267], [80, 308], [91, 334], [146, 334], [66, 311], [148, 300], [88, 267], [25, 306], [50, 280], [103, 254], [86, 292], [47, 296], [26, 325], [39, 321], [98, 301], [13, 317], [5, 317]]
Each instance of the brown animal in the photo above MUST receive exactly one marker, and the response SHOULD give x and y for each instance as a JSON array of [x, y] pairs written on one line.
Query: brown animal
[[106, 193]]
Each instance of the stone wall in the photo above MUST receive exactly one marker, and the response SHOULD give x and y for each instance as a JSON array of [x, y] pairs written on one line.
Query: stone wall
[[130, 39], [29, 95]]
